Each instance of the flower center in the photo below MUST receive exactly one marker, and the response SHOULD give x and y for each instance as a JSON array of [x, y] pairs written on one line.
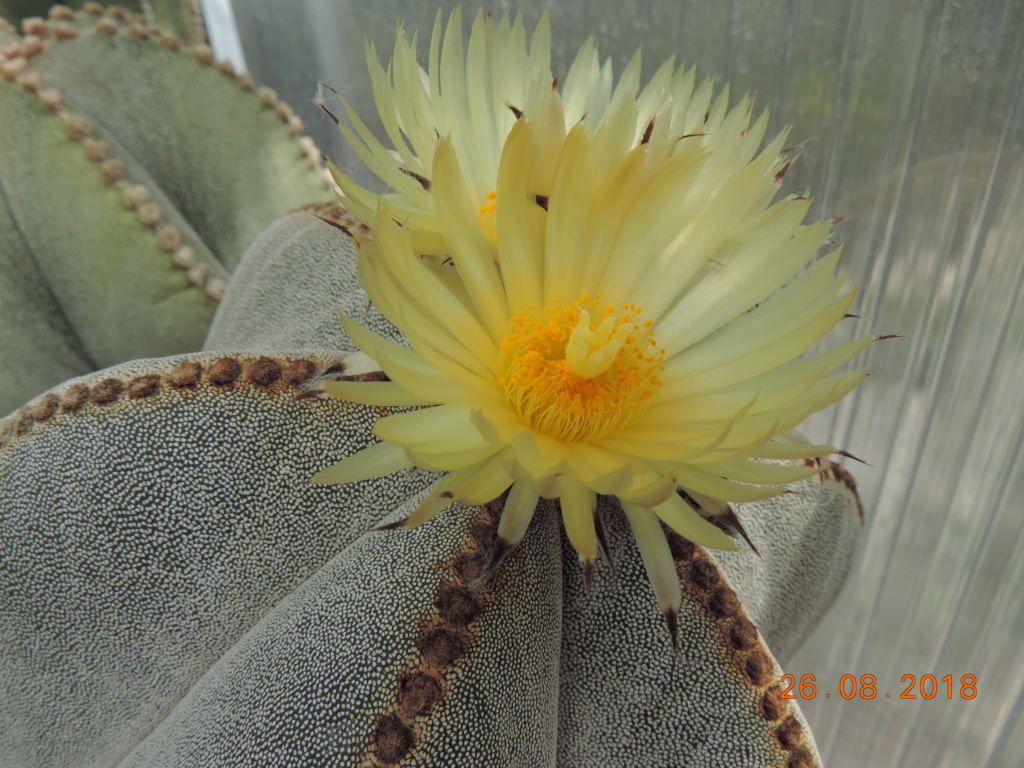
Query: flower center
[[486, 216], [577, 379]]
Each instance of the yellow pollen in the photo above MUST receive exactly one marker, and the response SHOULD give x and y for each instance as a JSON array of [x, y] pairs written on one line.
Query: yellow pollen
[[577, 380], [486, 216]]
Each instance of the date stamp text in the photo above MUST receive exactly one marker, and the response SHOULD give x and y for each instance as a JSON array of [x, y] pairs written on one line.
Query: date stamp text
[[866, 687]]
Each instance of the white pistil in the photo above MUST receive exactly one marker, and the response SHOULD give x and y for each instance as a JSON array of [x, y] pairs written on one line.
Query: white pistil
[[590, 352]]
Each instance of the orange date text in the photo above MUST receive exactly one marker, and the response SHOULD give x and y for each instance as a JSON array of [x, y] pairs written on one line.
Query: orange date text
[[866, 687]]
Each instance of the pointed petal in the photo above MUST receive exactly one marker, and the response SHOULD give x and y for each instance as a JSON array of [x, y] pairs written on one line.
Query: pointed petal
[[359, 363], [519, 508], [386, 393], [652, 493], [578, 505], [759, 473], [719, 487], [678, 516], [600, 469], [657, 557], [489, 482], [440, 498], [791, 451], [539, 456], [413, 373], [520, 220], [379, 459], [515, 519], [470, 248], [447, 427]]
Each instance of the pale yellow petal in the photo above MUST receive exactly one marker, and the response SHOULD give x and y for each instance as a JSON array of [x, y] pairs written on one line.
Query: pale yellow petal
[[653, 492], [753, 272], [770, 355], [657, 557], [744, 471], [680, 517], [446, 425], [520, 220], [470, 248], [600, 469], [539, 456], [704, 481], [795, 305], [518, 511], [436, 459], [578, 506], [377, 460], [385, 393], [412, 371], [791, 451], [487, 484]]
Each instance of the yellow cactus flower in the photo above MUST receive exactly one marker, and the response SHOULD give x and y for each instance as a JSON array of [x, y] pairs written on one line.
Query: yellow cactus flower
[[627, 315], [475, 96]]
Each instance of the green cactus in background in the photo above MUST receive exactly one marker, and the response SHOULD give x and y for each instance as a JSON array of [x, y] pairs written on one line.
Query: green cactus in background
[[172, 589], [182, 18], [129, 192]]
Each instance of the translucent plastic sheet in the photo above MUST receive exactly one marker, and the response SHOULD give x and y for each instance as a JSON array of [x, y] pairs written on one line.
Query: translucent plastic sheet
[[910, 117]]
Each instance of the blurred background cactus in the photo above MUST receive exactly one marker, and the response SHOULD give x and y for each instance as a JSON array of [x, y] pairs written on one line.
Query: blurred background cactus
[[129, 187], [182, 18]]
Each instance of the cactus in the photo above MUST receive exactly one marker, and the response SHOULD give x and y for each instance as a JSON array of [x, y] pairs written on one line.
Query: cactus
[[180, 17], [129, 192], [176, 592]]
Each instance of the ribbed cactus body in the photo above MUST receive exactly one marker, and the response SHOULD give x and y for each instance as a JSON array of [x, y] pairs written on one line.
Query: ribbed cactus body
[[175, 591], [262, 622], [133, 174]]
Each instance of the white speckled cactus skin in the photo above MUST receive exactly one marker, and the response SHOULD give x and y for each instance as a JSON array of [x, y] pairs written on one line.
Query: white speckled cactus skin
[[176, 593]]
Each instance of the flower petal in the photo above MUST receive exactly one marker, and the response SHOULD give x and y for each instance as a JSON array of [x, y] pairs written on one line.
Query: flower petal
[[520, 220], [599, 469], [385, 393], [680, 517], [651, 493], [752, 272], [411, 371], [487, 484], [518, 511], [657, 557], [703, 481], [379, 459], [578, 506], [515, 519], [540, 458], [470, 248]]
